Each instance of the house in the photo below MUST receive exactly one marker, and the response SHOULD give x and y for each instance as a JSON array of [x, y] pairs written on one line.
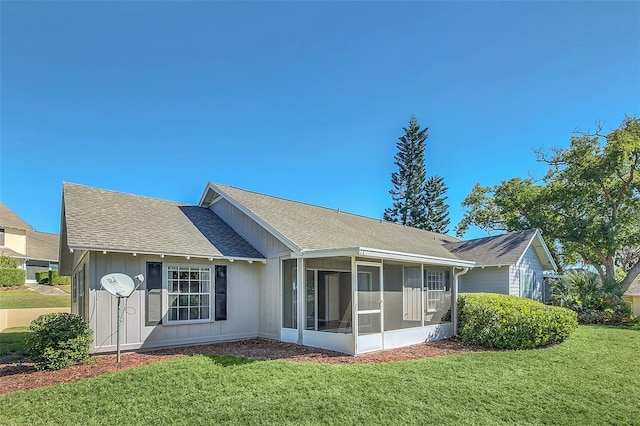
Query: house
[[511, 263], [632, 295], [33, 251], [242, 264]]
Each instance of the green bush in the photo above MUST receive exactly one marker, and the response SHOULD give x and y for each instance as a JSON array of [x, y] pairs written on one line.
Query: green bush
[[58, 340], [595, 301], [42, 277], [11, 277], [52, 278], [508, 322]]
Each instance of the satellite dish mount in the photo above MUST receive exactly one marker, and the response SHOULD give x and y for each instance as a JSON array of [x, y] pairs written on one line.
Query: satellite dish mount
[[121, 286]]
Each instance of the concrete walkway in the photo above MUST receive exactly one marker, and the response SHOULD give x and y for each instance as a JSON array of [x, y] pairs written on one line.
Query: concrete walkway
[[46, 289]]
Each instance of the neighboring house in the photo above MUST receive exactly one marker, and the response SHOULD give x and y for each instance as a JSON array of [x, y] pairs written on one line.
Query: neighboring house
[[32, 250], [243, 265], [632, 295], [511, 263]]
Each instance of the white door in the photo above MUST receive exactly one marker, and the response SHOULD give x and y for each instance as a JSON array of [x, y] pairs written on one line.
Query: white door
[[369, 308]]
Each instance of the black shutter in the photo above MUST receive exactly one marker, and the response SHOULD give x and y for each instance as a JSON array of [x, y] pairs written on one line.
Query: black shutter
[[153, 293], [221, 293], [447, 281]]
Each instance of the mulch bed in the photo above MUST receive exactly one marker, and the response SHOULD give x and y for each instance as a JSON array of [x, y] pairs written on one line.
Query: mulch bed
[[19, 374]]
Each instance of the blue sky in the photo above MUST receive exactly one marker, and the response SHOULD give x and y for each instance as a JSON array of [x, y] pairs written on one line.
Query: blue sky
[[299, 100]]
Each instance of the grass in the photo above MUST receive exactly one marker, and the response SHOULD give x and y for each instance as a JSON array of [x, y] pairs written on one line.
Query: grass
[[13, 339], [591, 379], [19, 299], [66, 288]]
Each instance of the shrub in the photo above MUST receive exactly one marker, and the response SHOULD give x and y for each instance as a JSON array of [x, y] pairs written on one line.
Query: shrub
[[11, 277], [52, 278], [595, 301], [509, 322], [42, 277], [58, 340]]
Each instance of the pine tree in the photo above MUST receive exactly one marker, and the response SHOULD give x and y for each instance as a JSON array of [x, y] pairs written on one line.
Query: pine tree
[[408, 182], [437, 217]]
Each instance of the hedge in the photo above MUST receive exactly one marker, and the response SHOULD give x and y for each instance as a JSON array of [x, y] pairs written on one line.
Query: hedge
[[11, 277], [499, 321], [58, 340], [52, 278]]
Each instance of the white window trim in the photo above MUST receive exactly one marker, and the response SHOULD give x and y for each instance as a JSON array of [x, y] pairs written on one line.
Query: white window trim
[[165, 292]]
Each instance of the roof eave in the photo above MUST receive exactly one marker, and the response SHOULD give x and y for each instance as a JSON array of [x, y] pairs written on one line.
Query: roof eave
[[383, 254], [170, 254]]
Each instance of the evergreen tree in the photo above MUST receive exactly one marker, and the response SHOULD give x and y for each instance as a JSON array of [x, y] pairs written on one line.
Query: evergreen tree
[[437, 217], [408, 182]]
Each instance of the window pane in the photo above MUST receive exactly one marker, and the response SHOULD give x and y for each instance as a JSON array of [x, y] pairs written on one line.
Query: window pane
[[186, 298], [204, 313]]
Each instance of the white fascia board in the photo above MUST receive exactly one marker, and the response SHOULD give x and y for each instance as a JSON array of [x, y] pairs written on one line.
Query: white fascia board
[[384, 254], [497, 265], [153, 253], [284, 240], [350, 251], [412, 257], [547, 253]]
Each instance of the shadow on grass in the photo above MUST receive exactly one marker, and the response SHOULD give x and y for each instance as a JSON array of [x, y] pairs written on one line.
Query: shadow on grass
[[12, 341], [229, 361]]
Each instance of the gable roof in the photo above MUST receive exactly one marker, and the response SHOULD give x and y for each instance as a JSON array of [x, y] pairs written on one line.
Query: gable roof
[[634, 288], [505, 249], [102, 220], [8, 219], [42, 246], [310, 230]]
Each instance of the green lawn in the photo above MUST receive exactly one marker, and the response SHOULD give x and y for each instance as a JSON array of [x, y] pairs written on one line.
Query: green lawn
[[17, 299], [592, 379], [66, 288], [13, 339]]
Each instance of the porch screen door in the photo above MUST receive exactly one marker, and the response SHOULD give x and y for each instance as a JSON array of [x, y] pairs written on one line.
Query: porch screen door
[[369, 308]]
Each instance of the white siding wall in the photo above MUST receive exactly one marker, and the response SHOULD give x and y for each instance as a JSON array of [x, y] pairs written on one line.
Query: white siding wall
[[242, 306], [530, 263], [487, 280]]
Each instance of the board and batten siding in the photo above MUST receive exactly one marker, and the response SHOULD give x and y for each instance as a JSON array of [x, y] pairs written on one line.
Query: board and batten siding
[[491, 279], [529, 263], [242, 305], [261, 239], [270, 287]]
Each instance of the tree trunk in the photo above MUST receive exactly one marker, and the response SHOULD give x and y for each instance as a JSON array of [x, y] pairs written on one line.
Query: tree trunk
[[631, 275]]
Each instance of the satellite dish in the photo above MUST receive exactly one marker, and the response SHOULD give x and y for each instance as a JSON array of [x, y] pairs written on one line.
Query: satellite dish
[[120, 285]]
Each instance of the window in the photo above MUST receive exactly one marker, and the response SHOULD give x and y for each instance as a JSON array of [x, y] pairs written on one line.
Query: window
[[221, 292], [153, 293], [189, 290], [1, 237], [289, 294]]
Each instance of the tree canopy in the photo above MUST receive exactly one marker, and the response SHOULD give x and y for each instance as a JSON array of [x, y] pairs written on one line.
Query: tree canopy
[[417, 201], [587, 205]]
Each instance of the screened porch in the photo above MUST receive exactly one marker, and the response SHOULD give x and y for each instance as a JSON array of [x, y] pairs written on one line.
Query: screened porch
[[396, 303]]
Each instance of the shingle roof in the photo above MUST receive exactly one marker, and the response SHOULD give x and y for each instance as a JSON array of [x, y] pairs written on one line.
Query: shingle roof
[[42, 246], [634, 288], [99, 219], [311, 227], [505, 249], [8, 219]]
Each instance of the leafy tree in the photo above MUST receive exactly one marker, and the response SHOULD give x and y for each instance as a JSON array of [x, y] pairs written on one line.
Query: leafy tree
[[408, 182], [417, 201], [587, 205], [437, 218]]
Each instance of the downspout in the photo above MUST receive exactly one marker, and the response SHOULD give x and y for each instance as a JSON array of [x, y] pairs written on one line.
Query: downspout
[[454, 298]]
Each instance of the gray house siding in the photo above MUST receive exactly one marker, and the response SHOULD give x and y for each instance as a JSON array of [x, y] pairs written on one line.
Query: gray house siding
[[491, 279], [269, 286], [528, 267], [242, 305]]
